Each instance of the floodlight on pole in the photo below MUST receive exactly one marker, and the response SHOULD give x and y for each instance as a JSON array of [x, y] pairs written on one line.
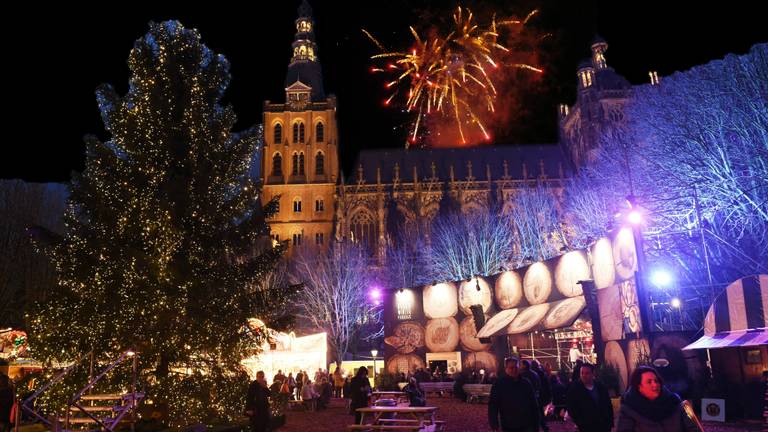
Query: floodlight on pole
[[661, 278]]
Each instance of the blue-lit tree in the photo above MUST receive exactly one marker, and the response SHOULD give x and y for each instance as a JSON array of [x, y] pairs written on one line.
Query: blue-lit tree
[[701, 135], [337, 294], [479, 240]]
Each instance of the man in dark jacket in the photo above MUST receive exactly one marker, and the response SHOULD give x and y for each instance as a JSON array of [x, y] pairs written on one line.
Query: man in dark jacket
[[527, 374], [257, 404], [588, 402], [512, 400]]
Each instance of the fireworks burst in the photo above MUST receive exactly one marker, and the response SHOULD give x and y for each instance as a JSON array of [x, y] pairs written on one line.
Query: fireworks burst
[[451, 76]]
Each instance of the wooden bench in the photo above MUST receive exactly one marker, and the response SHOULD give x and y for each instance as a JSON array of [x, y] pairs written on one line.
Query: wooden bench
[[439, 424], [477, 392], [296, 405], [440, 387], [383, 427]]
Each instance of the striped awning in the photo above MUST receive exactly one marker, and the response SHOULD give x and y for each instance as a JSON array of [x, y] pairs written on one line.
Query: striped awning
[[741, 338], [739, 316], [742, 306]]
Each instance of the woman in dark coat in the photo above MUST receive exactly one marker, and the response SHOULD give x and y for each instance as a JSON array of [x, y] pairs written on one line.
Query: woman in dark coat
[[6, 403], [648, 406], [257, 404], [360, 391]]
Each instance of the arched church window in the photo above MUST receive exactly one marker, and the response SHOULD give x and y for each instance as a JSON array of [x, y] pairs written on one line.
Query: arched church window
[[319, 132], [277, 165], [278, 135], [364, 229], [319, 163]]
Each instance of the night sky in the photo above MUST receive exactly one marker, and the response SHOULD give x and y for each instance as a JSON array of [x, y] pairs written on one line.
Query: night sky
[[56, 56]]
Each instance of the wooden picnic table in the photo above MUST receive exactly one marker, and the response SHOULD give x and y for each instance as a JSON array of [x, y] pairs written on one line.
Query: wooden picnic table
[[403, 417]]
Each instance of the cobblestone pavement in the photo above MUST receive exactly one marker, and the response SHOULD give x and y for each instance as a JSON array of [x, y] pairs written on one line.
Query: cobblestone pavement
[[459, 417]]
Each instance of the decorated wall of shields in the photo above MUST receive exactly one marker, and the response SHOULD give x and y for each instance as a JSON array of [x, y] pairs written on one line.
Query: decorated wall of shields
[[544, 295]]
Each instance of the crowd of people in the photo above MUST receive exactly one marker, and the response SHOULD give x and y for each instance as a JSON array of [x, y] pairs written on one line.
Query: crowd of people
[[517, 399], [520, 399]]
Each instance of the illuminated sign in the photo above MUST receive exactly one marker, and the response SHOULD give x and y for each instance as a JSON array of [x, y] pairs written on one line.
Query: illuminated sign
[[404, 300]]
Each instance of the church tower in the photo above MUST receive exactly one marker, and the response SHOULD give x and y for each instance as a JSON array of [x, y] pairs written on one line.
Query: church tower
[[300, 155]]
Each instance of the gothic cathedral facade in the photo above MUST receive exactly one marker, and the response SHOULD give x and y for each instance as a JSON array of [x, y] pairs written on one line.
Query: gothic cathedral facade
[[392, 188]]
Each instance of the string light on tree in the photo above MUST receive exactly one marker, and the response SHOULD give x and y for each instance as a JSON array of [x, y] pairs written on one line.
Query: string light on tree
[[166, 245]]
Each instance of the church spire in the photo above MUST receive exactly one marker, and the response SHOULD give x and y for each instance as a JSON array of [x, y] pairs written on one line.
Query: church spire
[[304, 66]]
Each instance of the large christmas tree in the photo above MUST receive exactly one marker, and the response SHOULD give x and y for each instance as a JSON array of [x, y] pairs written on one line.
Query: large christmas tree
[[166, 244]]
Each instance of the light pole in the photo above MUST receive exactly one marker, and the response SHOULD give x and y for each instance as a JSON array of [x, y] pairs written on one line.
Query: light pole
[[373, 354]]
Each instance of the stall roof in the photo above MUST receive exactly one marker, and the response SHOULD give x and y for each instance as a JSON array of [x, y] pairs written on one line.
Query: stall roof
[[739, 338]]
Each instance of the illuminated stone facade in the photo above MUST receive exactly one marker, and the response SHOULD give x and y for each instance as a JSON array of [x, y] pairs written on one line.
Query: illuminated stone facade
[[392, 188], [599, 106], [299, 160]]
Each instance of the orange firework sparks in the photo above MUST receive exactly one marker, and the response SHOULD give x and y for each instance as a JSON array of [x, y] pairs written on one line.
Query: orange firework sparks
[[449, 75]]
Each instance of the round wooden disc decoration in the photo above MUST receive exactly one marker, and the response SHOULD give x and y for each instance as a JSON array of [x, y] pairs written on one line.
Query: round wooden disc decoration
[[611, 313], [509, 290], [615, 356], [469, 295], [468, 335], [405, 363], [624, 257], [480, 360], [407, 337], [441, 300], [537, 283], [603, 269], [497, 322], [442, 334], [564, 312], [528, 318], [571, 268], [638, 352], [628, 292]]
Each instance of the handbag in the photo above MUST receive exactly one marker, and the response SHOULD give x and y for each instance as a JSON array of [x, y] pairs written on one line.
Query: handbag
[[14, 411]]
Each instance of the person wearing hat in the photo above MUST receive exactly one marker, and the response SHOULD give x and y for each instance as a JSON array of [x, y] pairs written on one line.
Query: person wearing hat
[[360, 390]]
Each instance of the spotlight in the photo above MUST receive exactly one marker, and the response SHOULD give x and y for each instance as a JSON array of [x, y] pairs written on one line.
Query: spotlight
[[635, 217], [675, 303], [661, 278]]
